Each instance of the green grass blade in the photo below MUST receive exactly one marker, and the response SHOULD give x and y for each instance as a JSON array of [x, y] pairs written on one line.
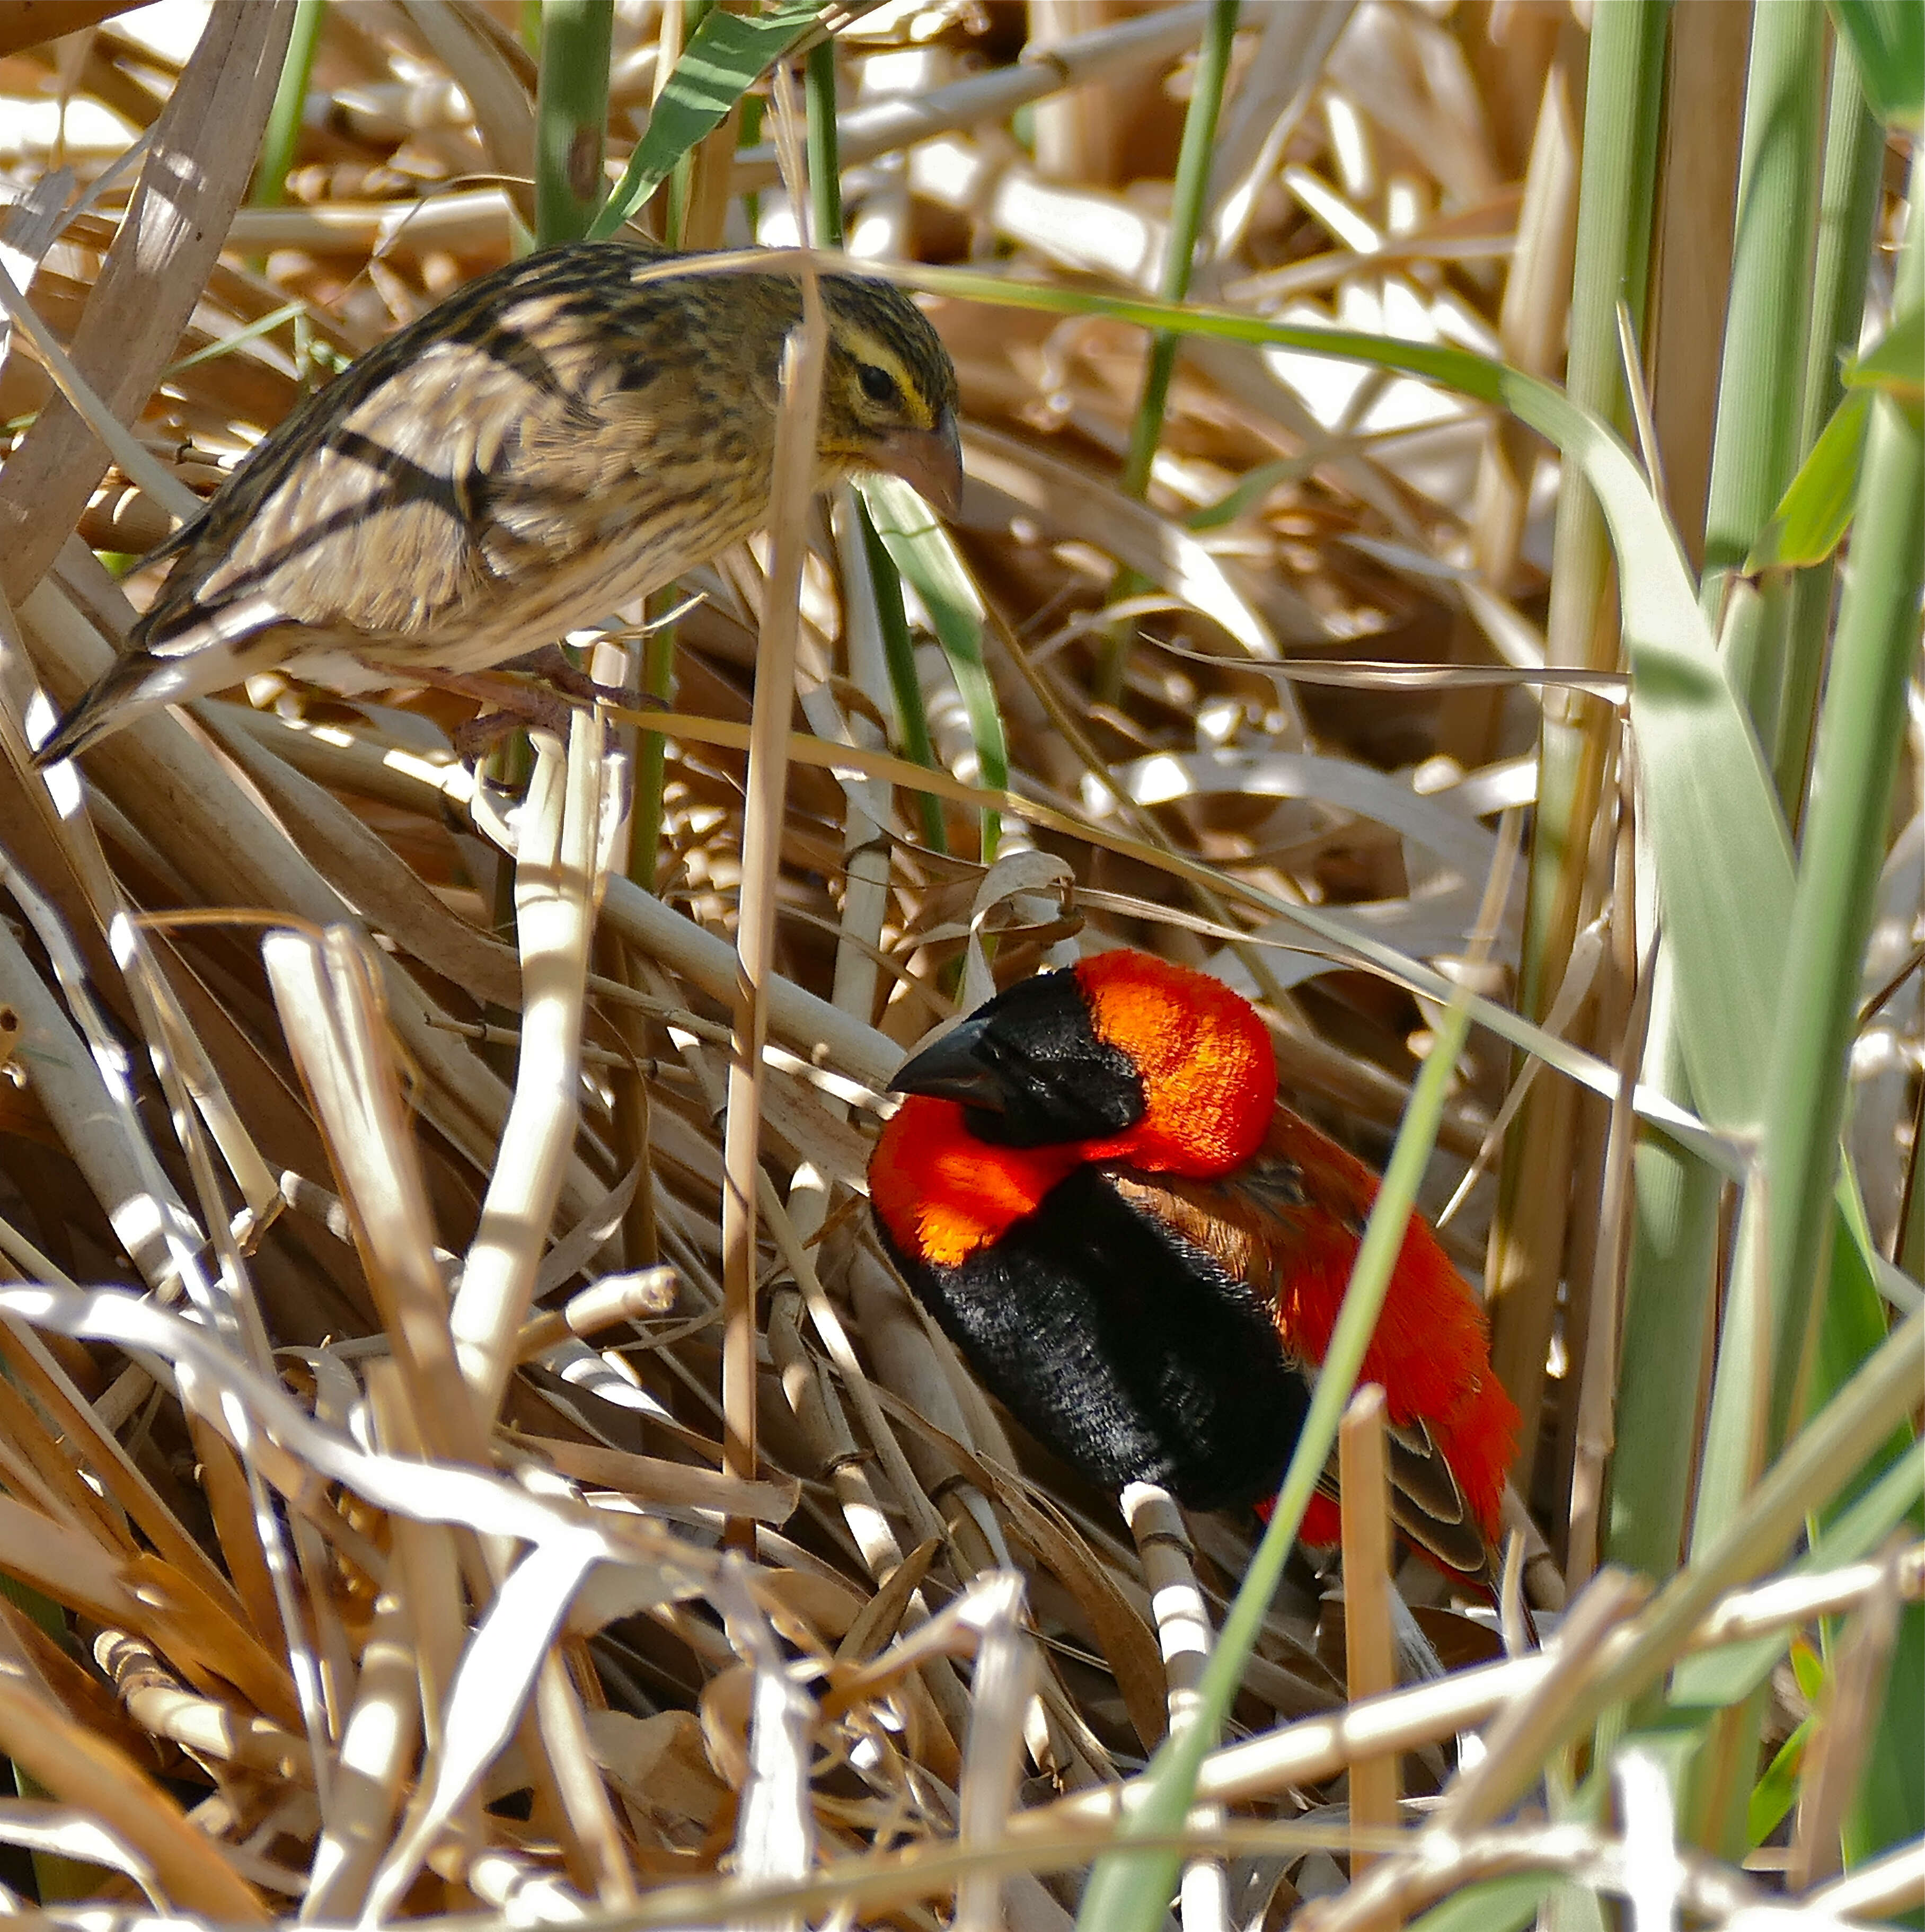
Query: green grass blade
[[658, 682], [726, 55], [1807, 1669], [1861, 735], [920, 548], [1758, 402], [1849, 200], [1189, 195], [1896, 363], [290, 100], [1813, 513], [1774, 1794], [263, 325], [1767, 315], [1887, 40], [570, 116], [1668, 1307], [899, 652], [825, 166]]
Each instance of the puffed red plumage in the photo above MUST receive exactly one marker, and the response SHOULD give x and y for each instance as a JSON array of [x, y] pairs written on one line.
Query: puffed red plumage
[[1093, 1189]]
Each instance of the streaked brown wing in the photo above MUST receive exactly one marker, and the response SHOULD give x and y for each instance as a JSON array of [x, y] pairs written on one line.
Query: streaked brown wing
[[408, 493]]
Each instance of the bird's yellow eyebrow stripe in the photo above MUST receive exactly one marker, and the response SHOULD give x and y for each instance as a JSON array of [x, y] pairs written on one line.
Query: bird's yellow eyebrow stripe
[[867, 346]]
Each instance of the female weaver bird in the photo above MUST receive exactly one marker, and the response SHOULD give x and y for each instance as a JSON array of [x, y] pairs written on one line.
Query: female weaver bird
[[563, 435], [1094, 1191]]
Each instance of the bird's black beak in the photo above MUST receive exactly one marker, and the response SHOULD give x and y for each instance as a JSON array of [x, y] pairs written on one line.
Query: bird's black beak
[[954, 1068], [930, 461]]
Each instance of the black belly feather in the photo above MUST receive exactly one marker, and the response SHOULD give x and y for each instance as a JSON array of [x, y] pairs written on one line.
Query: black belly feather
[[1128, 1351]]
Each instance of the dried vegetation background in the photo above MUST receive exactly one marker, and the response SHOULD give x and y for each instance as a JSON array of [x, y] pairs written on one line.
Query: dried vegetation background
[[325, 1604]]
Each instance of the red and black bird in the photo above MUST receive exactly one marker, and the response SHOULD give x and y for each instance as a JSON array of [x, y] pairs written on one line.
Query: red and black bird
[[1094, 1190]]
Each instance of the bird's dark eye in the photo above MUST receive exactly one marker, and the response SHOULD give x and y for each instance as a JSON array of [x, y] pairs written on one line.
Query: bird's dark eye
[[878, 384]]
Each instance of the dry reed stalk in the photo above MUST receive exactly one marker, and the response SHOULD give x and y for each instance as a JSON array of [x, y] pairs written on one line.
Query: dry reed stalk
[[1183, 1635], [1369, 1670], [804, 358]]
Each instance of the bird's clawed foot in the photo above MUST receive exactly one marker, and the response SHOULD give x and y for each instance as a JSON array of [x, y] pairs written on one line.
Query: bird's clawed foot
[[552, 665], [475, 737], [513, 703]]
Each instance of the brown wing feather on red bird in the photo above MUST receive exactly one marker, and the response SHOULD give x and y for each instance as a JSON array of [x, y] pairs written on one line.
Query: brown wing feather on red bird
[[1094, 1190]]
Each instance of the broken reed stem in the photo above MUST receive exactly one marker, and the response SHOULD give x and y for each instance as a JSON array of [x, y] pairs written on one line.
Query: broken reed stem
[[554, 873], [614, 1299], [1183, 1635], [1837, 1755], [1363, 1479]]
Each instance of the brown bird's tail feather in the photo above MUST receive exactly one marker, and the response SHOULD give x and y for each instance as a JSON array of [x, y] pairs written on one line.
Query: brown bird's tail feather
[[225, 647], [137, 684]]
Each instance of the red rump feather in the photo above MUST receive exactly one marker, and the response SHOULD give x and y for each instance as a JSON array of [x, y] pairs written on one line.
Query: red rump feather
[[1430, 1351]]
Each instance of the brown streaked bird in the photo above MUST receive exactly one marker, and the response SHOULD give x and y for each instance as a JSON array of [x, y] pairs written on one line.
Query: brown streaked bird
[[557, 438]]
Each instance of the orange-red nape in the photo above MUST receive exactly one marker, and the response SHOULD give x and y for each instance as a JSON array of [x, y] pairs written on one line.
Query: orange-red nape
[[942, 1194], [1209, 1070]]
